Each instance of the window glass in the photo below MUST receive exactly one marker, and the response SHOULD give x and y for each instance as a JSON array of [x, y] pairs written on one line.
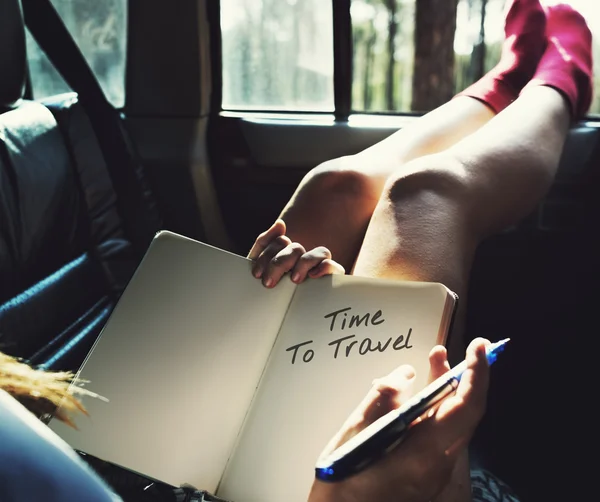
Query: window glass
[[478, 39], [384, 48], [45, 80], [277, 55], [100, 29], [382, 34], [591, 10]]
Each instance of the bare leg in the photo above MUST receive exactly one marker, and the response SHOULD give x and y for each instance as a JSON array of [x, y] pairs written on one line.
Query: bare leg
[[435, 210], [333, 204], [434, 213]]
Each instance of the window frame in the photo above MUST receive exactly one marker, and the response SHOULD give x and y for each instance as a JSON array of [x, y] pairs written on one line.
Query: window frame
[[342, 67], [28, 91], [342, 80]]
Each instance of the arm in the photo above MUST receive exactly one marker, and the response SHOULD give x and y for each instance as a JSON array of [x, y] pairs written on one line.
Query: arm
[[35, 464]]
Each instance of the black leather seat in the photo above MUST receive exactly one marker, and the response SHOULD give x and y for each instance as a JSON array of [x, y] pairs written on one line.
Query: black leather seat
[[64, 254]]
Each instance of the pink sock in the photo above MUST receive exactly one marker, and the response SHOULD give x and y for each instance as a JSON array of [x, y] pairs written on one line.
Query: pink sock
[[524, 44], [567, 62]]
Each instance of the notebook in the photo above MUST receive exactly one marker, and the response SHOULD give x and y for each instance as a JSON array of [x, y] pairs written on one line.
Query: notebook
[[215, 381]]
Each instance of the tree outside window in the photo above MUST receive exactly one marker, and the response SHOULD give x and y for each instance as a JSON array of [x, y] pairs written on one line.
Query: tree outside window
[[408, 55]]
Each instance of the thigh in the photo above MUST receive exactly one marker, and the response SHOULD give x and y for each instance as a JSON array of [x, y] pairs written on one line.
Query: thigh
[[421, 230]]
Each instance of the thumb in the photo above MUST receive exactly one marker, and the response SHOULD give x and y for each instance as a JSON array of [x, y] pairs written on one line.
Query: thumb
[[277, 229], [438, 362]]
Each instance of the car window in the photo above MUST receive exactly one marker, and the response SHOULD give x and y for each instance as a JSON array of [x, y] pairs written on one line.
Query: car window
[[277, 55], [100, 30]]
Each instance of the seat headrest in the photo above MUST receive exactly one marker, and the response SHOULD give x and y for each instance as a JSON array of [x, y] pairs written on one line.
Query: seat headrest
[[13, 59]]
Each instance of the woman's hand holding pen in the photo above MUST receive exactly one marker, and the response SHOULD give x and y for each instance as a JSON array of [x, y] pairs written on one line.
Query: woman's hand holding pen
[[421, 467]]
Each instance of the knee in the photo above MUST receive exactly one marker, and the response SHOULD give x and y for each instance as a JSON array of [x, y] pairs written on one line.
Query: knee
[[340, 179], [432, 191], [435, 176]]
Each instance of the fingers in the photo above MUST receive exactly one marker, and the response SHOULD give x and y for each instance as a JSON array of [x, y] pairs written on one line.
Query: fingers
[[282, 256], [386, 393], [475, 381], [284, 261], [274, 254], [471, 393], [326, 267], [426, 462], [308, 261], [277, 229], [454, 422], [461, 413], [269, 266], [438, 362]]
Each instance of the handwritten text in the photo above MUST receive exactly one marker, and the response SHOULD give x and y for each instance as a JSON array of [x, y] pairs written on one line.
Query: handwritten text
[[345, 346]]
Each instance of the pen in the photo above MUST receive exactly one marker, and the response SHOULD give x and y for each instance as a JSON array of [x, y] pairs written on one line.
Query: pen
[[386, 433]]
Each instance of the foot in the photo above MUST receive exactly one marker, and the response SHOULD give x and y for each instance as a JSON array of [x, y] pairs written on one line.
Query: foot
[[567, 62], [524, 44]]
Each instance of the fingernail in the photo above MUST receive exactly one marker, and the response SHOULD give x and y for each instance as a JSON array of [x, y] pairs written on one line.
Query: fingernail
[[408, 372], [269, 282], [257, 273], [296, 277]]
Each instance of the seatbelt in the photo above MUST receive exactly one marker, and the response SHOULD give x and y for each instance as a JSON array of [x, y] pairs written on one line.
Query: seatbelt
[[48, 29]]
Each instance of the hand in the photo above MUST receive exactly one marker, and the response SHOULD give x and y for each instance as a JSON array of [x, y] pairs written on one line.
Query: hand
[[420, 468], [274, 254]]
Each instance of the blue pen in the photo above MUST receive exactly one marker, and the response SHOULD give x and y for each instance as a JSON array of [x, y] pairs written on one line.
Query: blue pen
[[386, 433]]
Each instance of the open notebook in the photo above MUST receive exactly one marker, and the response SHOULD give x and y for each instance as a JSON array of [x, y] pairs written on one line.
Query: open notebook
[[215, 381]]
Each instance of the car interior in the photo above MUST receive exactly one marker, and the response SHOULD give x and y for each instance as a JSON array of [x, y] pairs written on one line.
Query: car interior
[[122, 118]]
